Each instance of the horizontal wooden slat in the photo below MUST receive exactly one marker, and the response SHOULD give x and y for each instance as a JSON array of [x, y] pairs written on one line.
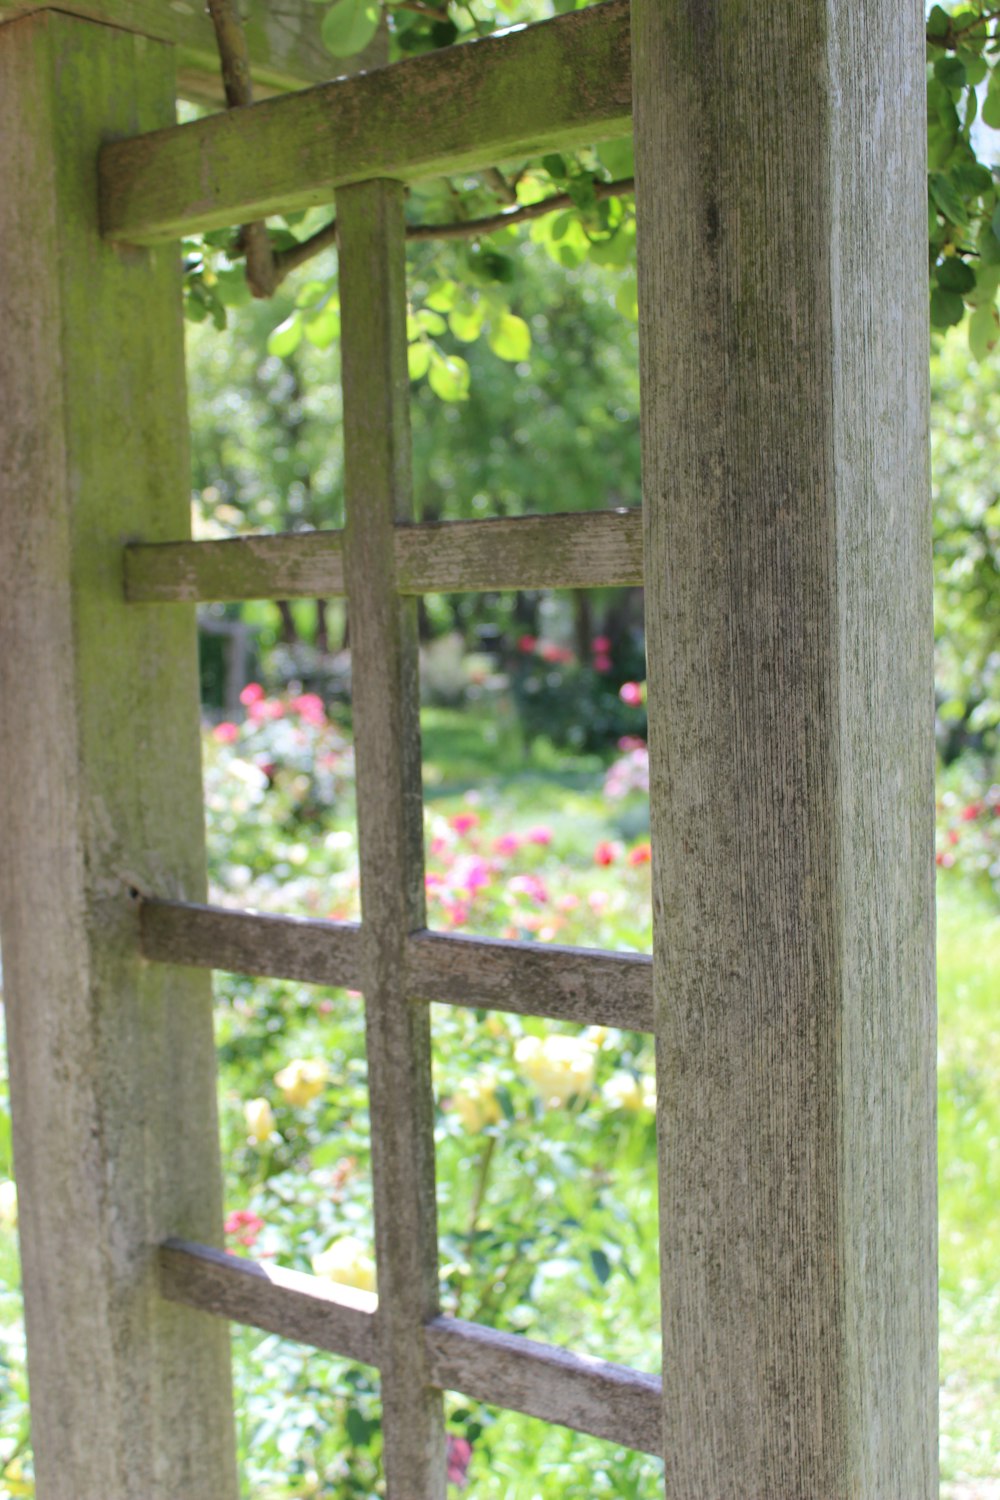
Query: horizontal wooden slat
[[575, 550], [276, 947], [584, 985], [338, 1319], [590, 1395], [306, 565], [561, 83], [286, 50], [578, 550]]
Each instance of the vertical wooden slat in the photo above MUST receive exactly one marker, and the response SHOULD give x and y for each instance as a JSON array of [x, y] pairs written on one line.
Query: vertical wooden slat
[[783, 337], [111, 1060], [385, 692]]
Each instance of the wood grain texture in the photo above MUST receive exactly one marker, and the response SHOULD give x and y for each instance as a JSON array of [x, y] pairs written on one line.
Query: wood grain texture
[[588, 549], [562, 83], [782, 296], [286, 49], [112, 1065], [590, 1395], [385, 699], [533, 979], [585, 549], [293, 1305], [240, 942], [306, 565]]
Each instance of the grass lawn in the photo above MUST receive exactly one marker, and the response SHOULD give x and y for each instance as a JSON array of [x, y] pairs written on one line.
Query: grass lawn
[[969, 1175]]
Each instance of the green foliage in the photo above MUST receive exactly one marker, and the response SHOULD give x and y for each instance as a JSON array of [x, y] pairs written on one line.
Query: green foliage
[[963, 102], [965, 430], [963, 107]]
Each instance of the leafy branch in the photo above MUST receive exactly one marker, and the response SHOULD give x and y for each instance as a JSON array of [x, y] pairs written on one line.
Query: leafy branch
[[290, 258], [577, 195]]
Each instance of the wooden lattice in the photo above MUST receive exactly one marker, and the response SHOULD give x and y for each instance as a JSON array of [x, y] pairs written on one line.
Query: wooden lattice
[[784, 548], [381, 561]]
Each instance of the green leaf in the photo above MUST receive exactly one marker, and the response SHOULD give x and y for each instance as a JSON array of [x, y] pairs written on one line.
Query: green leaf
[[582, 192], [448, 376], [947, 308], [988, 245], [627, 299], [971, 179], [488, 265], [951, 72], [995, 221], [359, 1429], [945, 196], [510, 338], [466, 320], [285, 339], [443, 296], [987, 285], [955, 275], [430, 322], [938, 22], [601, 1265], [418, 358], [617, 157], [617, 250], [976, 68], [194, 309], [555, 165], [311, 293], [349, 26], [991, 104], [506, 1103], [231, 285], [324, 329], [984, 331]]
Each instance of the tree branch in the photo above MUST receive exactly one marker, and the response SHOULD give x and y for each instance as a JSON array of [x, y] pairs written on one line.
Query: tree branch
[[266, 268], [286, 261], [470, 228], [261, 272], [950, 38]]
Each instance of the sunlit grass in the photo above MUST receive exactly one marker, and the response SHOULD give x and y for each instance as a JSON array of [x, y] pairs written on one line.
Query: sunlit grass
[[969, 1156]]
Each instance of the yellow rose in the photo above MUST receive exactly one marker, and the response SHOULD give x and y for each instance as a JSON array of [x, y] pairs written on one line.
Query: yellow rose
[[558, 1066], [625, 1091], [475, 1101], [259, 1117], [8, 1205], [302, 1080], [346, 1262]]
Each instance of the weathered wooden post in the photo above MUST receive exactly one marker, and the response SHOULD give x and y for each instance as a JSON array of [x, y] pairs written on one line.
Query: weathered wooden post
[[112, 1066], [783, 285]]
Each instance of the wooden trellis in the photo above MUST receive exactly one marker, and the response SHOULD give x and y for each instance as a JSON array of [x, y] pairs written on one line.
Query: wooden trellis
[[785, 537]]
